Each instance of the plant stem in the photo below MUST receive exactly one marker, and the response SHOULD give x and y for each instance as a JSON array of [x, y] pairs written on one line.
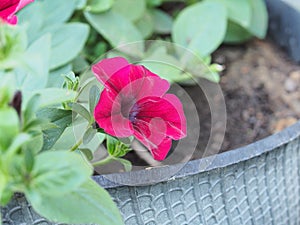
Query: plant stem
[[104, 161], [76, 145]]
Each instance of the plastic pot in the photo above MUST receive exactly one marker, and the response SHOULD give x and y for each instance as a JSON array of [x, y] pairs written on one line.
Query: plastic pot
[[256, 184]]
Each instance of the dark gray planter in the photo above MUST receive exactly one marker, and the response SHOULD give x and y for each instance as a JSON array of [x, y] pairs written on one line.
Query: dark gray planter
[[256, 184]]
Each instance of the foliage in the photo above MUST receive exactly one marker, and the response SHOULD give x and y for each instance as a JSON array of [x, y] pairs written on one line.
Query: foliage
[[48, 134]]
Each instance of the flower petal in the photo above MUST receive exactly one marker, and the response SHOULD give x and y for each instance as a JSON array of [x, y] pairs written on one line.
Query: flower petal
[[153, 135], [168, 109], [9, 7], [104, 69], [109, 116]]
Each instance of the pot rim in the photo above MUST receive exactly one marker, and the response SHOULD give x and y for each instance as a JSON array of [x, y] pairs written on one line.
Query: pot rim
[[156, 174]]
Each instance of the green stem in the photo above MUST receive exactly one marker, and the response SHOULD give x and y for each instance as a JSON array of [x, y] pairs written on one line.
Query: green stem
[[104, 161], [76, 145]]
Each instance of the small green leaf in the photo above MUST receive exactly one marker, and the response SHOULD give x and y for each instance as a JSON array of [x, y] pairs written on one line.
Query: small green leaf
[[87, 152], [145, 25], [122, 31], [162, 21], [236, 34], [99, 6], [61, 118], [9, 126], [238, 11], [94, 98], [67, 41], [36, 64], [126, 163], [31, 108], [89, 135], [89, 200], [53, 96], [56, 79], [116, 148], [57, 173], [259, 19], [81, 110], [35, 144], [201, 27], [17, 143], [137, 8]]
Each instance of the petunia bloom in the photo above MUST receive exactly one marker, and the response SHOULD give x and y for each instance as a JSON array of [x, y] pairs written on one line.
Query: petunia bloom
[[8, 8], [134, 102]]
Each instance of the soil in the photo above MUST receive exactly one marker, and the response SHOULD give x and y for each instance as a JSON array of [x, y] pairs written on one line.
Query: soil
[[261, 87]]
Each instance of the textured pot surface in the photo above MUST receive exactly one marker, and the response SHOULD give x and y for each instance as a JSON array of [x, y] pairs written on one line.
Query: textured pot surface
[[256, 184]]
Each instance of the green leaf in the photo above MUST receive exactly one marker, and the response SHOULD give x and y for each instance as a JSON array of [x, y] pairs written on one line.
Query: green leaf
[[99, 6], [17, 143], [126, 163], [55, 78], [57, 12], [137, 8], [61, 118], [67, 41], [40, 15], [238, 11], [93, 98], [236, 34], [87, 204], [81, 110], [35, 144], [145, 25], [53, 96], [57, 173], [31, 108], [116, 148], [201, 27], [162, 21], [89, 135], [116, 29], [9, 126], [259, 21], [166, 65], [80, 64], [36, 62], [87, 153], [80, 4]]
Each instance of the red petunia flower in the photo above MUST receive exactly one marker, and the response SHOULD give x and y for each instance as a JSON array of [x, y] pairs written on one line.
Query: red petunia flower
[[134, 102], [8, 8]]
